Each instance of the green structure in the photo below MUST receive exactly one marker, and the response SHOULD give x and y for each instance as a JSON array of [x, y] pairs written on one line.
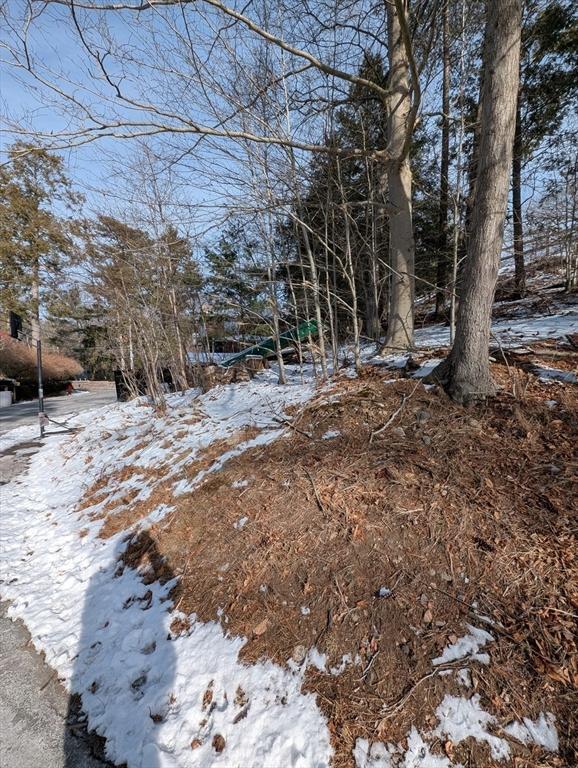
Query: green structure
[[266, 348]]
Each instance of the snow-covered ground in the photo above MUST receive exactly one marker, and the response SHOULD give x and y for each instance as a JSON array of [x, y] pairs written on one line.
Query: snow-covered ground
[[513, 331], [181, 700]]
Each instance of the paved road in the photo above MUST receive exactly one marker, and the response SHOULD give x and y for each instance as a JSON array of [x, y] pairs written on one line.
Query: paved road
[[56, 407], [33, 708]]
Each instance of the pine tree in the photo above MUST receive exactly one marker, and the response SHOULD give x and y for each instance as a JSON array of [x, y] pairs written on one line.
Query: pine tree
[[35, 240]]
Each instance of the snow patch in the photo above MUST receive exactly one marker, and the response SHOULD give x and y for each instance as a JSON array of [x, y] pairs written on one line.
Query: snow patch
[[541, 731], [461, 718], [467, 646]]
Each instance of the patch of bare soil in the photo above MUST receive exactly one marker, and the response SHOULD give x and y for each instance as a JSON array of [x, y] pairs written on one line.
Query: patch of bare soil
[[458, 513]]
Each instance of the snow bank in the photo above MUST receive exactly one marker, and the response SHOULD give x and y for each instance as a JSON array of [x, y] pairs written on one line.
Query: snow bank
[[162, 699]]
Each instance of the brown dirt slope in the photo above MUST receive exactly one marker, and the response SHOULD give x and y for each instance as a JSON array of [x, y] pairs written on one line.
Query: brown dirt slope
[[460, 513]]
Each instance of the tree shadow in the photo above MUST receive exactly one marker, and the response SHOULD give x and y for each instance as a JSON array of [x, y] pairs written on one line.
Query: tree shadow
[[124, 669]]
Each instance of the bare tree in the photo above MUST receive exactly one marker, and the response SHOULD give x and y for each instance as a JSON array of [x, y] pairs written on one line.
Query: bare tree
[[402, 113], [466, 371]]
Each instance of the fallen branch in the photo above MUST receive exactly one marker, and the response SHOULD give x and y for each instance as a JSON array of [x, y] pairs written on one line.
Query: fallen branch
[[394, 415]]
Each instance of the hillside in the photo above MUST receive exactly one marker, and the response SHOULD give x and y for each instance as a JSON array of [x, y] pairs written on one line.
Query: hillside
[[358, 574]]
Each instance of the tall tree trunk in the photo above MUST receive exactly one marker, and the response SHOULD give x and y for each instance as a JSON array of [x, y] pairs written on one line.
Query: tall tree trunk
[[519, 267], [442, 265], [466, 371], [399, 180]]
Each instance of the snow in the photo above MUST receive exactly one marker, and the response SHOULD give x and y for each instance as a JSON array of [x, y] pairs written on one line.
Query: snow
[[418, 753], [342, 666], [376, 755], [467, 646], [330, 434], [541, 731], [427, 367], [545, 373], [511, 331], [464, 678], [108, 635], [461, 718]]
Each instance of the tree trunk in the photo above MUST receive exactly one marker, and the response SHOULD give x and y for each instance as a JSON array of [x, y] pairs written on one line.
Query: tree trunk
[[466, 371], [519, 267], [442, 265], [399, 180]]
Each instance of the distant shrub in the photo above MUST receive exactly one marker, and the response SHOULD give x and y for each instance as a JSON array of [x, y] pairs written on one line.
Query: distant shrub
[[18, 361]]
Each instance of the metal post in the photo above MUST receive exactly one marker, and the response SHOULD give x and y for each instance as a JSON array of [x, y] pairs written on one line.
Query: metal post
[[41, 416]]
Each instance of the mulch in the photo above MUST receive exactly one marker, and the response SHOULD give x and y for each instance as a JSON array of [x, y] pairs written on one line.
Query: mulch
[[381, 543]]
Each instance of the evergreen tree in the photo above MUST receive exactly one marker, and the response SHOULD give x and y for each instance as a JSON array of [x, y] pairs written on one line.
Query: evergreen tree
[[36, 205]]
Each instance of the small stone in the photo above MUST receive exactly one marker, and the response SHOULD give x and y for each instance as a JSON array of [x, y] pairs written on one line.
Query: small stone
[[440, 624], [446, 576], [218, 742], [426, 439], [423, 598], [398, 431], [554, 470], [474, 423], [427, 617], [299, 654], [196, 743], [422, 416], [261, 628]]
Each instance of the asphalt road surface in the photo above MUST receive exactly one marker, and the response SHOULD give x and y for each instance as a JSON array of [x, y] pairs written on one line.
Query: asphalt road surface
[[33, 708], [56, 407]]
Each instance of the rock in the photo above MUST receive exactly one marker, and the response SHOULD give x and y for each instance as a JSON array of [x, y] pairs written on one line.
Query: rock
[[299, 654], [427, 617], [422, 415], [398, 431], [423, 598], [218, 742], [261, 628], [426, 439], [446, 576]]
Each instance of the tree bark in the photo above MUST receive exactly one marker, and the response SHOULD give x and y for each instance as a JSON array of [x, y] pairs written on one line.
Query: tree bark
[[399, 181], [442, 261], [466, 371], [519, 266]]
